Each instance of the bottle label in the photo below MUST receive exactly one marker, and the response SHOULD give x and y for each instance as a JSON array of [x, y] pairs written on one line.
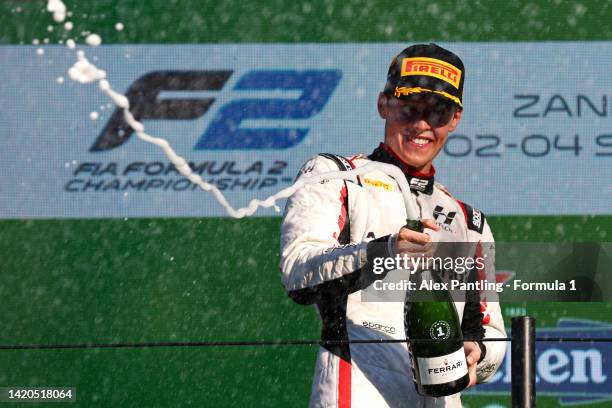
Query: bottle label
[[443, 369]]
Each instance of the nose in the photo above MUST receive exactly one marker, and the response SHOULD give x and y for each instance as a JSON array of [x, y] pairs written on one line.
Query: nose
[[421, 124]]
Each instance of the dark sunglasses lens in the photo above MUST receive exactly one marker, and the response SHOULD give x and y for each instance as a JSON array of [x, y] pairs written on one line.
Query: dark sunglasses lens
[[440, 114], [435, 111]]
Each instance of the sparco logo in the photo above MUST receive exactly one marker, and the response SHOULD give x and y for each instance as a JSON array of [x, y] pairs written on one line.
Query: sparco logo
[[226, 130], [379, 327], [476, 218]]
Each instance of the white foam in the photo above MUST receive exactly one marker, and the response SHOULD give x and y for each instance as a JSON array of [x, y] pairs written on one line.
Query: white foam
[[94, 40], [58, 8], [85, 72]]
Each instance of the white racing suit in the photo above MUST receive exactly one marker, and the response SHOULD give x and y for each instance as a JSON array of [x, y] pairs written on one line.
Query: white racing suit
[[326, 260]]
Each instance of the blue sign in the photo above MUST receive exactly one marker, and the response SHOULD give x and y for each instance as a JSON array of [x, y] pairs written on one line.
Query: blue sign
[[577, 372], [534, 138]]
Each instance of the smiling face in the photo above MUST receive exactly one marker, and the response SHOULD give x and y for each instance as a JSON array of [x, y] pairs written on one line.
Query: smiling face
[[417, 128]]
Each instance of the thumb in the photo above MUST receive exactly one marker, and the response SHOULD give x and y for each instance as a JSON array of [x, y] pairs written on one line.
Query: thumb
[[429, 223]]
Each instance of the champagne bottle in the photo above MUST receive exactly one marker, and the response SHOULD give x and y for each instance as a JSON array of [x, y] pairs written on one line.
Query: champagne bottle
[[439, 366]]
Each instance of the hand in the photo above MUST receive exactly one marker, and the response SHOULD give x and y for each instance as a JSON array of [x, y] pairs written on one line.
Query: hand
[[472, 355], [416, 244]]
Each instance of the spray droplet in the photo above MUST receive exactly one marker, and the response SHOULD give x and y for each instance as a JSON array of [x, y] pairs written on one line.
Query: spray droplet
[[119, 26], [94, 115], [58, 9], [94, 40], [50, 28], [68, 25], [40, 51], [35, 41], [85, 72], [60, 80], [70, 43]]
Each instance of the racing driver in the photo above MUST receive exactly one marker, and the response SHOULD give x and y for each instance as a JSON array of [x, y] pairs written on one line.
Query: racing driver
[[332, 231]]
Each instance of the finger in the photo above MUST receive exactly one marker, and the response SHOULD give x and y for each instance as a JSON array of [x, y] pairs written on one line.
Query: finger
[[472, 373], [412, 236], [472, 357], [472, 353], [431, 224]]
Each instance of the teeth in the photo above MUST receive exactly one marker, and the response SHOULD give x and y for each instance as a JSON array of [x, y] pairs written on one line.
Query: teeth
[[420, 141]]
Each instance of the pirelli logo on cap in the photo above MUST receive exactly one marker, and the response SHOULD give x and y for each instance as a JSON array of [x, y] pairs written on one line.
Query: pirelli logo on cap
[[432, 67]]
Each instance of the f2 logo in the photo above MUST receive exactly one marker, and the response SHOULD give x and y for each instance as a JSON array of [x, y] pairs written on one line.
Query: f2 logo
[[224, 132], [144, 104]]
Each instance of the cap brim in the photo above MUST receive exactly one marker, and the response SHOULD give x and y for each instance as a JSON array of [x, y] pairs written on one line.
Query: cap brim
[[402, 92]]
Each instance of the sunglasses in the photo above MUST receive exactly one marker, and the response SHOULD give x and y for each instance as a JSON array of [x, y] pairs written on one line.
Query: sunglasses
[[434, 111]]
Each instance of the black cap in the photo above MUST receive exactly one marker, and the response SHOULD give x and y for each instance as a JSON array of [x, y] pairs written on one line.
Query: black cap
[[426, 68]]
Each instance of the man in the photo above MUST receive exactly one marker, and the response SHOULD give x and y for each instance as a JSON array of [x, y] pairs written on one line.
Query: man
[[332, 231]]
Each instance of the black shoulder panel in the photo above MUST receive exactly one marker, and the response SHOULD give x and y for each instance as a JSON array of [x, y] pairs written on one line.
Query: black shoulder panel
[[342, 163], [475, 218]]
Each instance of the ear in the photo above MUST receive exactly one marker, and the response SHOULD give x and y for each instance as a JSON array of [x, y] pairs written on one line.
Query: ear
[[383, 109], [455, 120]]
